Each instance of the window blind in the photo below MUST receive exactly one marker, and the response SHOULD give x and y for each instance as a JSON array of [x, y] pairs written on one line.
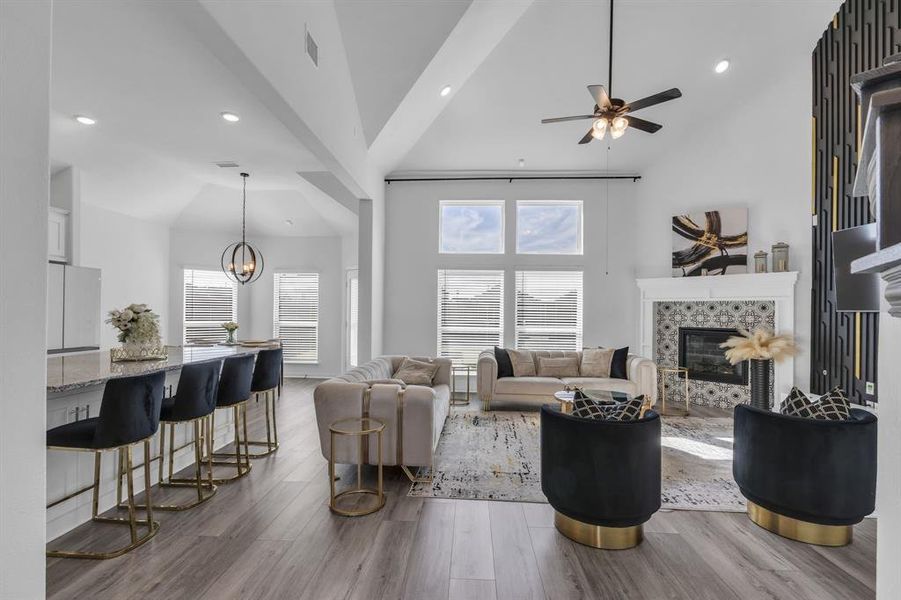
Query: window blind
[[210, 299], [549, 310], [470, 313], [296, 315]]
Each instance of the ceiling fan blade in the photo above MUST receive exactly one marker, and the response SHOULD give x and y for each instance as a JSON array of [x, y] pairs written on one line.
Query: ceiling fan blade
[[562, 119], [588, 137], [643, 125], [599, 93], [671, 94]]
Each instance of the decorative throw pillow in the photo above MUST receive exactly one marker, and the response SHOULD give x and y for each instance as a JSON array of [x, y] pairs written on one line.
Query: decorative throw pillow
[[589, 409], [504, 366], [596, 362], [523, 365], [558, 367], [834, 406], [618, 368], [416, 372], [630, 410], [797, 404]]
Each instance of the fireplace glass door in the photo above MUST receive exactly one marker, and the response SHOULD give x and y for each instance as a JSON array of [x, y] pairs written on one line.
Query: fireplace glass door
[[700, 353]]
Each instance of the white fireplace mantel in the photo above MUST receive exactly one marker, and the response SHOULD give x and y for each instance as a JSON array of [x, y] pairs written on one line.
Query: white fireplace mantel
[[776, 287]]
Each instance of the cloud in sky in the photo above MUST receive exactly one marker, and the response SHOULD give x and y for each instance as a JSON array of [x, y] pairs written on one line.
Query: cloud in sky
[[548, 228], [472, 228]]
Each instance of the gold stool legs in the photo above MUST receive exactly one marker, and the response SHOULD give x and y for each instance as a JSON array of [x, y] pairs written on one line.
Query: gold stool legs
[[271, 443], [242, 466], [136, 539], [597, 536], [800, 531]]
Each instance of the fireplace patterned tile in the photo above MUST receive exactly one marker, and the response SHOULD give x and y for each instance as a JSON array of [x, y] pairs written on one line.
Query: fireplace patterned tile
[[670, 316]]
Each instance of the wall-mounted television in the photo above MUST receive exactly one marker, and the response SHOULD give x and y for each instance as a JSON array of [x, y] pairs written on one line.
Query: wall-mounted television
[[854, 292]]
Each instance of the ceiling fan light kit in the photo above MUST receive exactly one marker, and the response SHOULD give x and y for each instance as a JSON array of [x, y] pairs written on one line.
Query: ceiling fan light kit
[[613, 113]]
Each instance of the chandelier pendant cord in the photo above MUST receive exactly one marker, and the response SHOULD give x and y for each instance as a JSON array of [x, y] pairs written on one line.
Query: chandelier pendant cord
[[610, 55]]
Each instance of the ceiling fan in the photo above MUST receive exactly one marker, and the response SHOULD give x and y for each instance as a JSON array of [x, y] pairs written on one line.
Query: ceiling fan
[[613, 113]]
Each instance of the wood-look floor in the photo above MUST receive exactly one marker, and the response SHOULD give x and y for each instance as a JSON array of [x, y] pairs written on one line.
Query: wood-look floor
[[271, 535]]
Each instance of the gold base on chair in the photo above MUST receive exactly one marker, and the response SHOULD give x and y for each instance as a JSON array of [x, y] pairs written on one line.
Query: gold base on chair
[[271, 443], [597, 536], [801, 531], [418, 478]]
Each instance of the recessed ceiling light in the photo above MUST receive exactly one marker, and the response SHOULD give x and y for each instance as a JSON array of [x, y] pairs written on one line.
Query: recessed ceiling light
[[84, 120], [289, 222], [445, 91], [522, 162], [721, 66], [231, 117]]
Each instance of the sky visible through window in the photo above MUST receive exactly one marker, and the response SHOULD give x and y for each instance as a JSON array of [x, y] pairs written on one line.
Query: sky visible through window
[[549, 227], [472, 228]]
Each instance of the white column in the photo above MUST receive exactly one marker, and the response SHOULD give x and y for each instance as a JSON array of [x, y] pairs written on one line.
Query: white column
[[25, 38]]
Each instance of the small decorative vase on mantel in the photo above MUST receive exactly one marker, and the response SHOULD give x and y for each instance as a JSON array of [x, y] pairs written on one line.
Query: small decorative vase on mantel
[[761, 348], [760, 382]]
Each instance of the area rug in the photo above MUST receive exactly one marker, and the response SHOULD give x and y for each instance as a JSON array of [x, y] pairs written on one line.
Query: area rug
[[496, 456]]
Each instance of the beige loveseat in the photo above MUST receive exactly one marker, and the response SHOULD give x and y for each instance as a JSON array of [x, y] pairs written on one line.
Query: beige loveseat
[[413, 414], [642, 379]]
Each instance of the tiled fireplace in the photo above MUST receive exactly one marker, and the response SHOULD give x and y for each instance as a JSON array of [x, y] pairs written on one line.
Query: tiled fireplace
[[691, 316]]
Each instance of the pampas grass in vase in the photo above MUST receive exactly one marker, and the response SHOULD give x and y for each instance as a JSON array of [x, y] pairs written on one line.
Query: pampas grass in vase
[[761, 347]]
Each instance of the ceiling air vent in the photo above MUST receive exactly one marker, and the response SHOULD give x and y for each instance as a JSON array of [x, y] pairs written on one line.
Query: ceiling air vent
[[312, 48], [227, 164]]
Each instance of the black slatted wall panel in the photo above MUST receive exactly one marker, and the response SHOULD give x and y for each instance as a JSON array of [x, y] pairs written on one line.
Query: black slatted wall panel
[[863, 33]]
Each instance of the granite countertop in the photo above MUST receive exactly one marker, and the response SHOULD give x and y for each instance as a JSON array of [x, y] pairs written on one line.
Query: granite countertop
[[74, 371]]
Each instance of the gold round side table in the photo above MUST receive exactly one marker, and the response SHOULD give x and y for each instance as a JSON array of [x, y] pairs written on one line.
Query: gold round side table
[[454, 401], [674, 372], [362, 428]]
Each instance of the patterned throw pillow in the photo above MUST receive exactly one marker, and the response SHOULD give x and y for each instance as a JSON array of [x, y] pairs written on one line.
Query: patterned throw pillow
[[416, 372], [630, 410], [797, 404], [833, 406]]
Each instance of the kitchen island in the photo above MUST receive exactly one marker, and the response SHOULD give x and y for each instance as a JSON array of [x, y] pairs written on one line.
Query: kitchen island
[[75, 385]]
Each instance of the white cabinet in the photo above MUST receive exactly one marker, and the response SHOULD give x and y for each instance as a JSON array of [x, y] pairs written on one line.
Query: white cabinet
[[58, 235], [56, 283], [73, 307]]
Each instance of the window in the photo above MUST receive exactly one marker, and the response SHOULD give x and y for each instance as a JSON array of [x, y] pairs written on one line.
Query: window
[[211, 299], [471, 227], [470, 313], [549, 310], [296, 315], [353, 316], [549, 227]]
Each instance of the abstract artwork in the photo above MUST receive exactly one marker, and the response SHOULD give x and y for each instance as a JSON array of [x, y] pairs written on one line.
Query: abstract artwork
[[710, 243]]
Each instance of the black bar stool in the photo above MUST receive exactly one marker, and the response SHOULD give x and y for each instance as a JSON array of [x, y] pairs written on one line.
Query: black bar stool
[[129, 415], [194, 402], [266, 376], [234, 392]]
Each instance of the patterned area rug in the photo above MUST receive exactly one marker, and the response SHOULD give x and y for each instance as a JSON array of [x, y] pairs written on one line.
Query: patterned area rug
[[495, 456]]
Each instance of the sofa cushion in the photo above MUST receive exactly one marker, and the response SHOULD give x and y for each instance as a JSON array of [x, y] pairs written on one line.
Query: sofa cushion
[[835, 406], [599, 383], [528, 386], [596, 362], [416, 372], [558, 367], [630, 410], [618, 368], [523, 363], [831, 407], [504, 366]]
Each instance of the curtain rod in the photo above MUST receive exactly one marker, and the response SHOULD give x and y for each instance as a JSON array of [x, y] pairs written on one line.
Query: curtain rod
[[512, 178]]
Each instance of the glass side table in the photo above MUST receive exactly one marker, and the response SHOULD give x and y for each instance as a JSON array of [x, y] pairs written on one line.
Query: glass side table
[[673, 373], [361, 428], [463, 370]]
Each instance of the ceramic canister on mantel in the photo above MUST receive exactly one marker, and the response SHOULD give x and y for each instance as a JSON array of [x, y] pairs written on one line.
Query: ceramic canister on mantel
[[760, 261], [780, 257]]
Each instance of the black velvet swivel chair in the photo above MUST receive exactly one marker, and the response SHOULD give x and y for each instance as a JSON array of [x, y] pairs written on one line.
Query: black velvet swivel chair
[[601, 477], [129, 415], [234, 392], [806, 479], [267, 374], [194, 402]]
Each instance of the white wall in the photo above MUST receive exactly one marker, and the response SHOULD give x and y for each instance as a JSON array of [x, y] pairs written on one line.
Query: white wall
[[133, 256], [756, 155], [412, 258], [25, 29], [202, 250]]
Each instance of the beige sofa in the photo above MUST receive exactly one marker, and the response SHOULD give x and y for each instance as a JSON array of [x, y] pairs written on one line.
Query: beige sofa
[[642, 380], [413, 414]]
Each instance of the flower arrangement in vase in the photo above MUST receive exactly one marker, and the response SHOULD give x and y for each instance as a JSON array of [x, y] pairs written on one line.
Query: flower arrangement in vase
[[761, 347], [139, 333], [230, 328]]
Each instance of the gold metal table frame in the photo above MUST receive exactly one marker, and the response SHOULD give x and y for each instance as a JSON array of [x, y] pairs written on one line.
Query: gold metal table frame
[[676, 372], [454, 401], [362, 428]]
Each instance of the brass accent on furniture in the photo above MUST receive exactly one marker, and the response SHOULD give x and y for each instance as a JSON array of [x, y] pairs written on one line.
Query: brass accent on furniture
[[418, 478], [834, 193], [362, 428], [243, 468], [454, 401], [125, 460], [857, 332], [676, 371], [801, 531], [271, 443], [597, 536]]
